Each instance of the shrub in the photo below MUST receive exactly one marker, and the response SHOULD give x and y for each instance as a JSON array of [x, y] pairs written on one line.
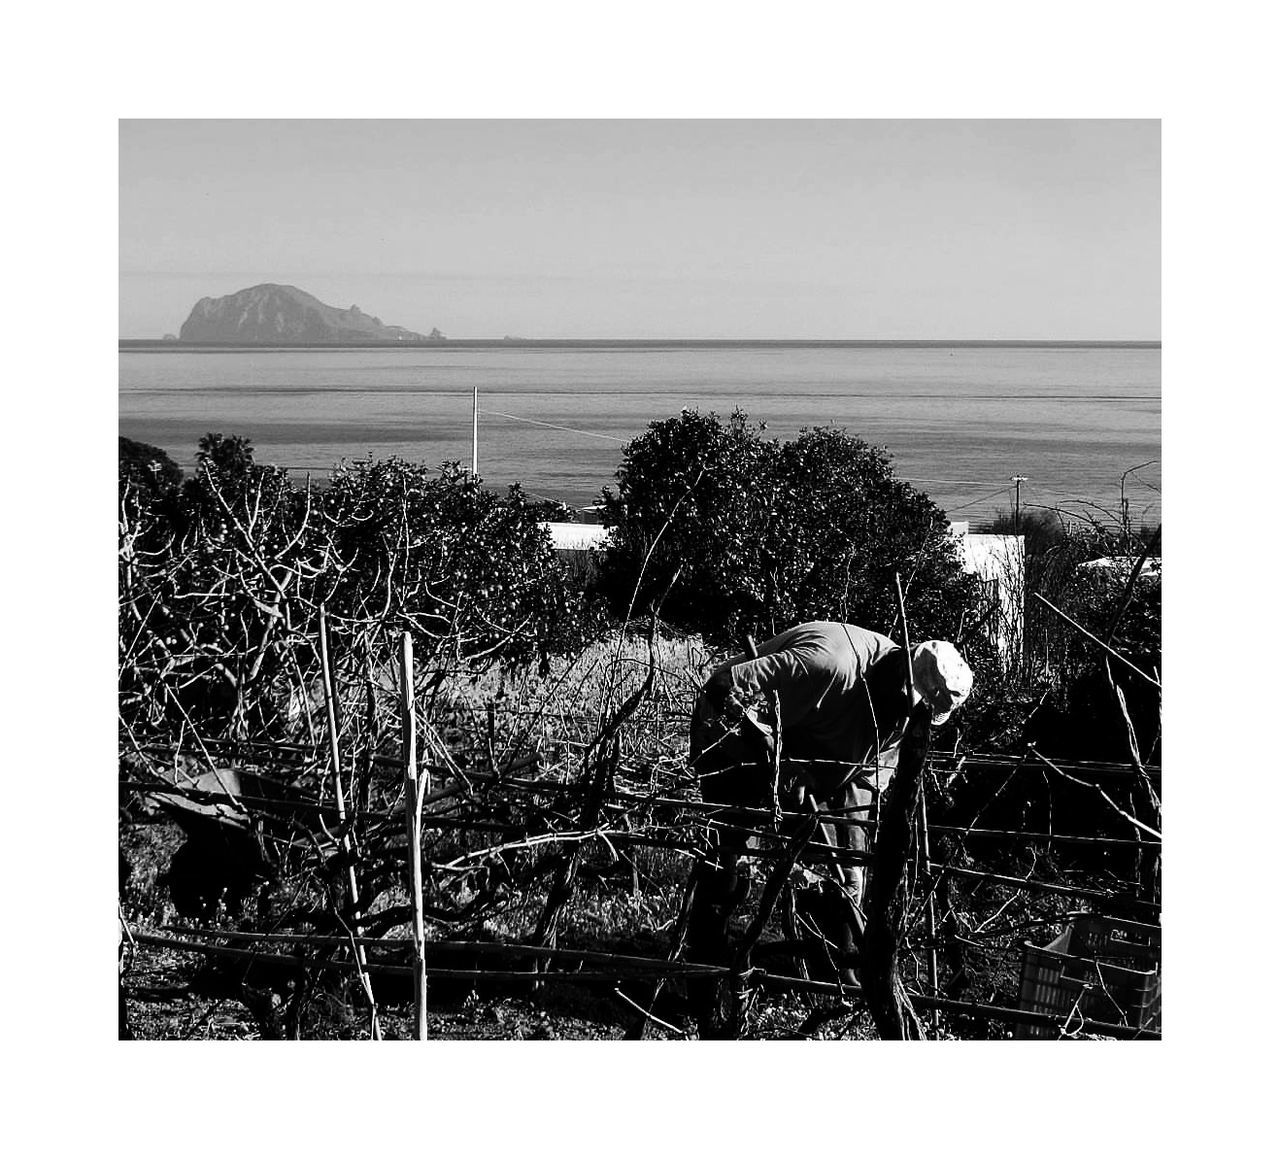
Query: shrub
[[147, 466], [733, 533], [1059, 696], [447, 558], [221, 584]]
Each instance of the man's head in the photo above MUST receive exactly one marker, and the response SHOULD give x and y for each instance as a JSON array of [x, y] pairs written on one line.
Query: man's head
[[941, 677]]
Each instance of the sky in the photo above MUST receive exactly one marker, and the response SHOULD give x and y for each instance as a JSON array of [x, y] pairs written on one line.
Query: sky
[[1042, 229]]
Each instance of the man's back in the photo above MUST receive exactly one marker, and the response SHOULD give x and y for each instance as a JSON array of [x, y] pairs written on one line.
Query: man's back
[[819, 671]]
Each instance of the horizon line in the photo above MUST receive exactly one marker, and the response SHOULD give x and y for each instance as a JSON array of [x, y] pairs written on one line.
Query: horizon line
[[513, 340]]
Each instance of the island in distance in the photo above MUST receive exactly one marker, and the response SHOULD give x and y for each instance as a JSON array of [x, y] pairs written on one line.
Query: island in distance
[[286, 316]]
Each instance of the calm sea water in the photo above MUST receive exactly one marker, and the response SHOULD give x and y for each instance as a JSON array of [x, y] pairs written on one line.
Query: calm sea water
[[958, 420]]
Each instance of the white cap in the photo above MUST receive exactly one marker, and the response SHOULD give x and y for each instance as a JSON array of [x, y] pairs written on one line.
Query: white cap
[[941, 677]]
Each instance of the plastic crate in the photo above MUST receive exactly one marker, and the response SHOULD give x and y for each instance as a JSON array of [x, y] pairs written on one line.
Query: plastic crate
[[1100, 969]]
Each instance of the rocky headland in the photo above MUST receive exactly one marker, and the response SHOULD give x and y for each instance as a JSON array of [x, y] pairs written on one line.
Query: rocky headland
[[285, 315]]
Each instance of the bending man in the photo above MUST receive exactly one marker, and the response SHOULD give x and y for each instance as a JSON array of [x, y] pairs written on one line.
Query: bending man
[[844, 701]]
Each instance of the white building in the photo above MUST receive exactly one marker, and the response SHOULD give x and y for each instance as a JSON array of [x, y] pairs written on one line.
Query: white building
[[1124, 564], [576, 536], [1000, 563]]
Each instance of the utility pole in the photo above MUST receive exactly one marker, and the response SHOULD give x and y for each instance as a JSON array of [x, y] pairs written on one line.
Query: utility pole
[[1017, 481], [475, 430], [1124, 502]]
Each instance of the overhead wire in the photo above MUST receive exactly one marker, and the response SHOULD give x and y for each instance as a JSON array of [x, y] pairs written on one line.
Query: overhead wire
[[982, 499], [553, 426], [955, 482]]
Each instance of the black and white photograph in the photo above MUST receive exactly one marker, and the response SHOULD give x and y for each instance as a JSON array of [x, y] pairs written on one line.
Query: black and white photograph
[[659, 579], [597, 574]]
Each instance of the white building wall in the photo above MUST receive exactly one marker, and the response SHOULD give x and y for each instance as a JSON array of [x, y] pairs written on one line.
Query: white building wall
[[576, 536], [1000, 561]]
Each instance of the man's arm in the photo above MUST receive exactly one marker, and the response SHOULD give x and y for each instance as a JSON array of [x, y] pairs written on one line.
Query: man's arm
[[798, 678]]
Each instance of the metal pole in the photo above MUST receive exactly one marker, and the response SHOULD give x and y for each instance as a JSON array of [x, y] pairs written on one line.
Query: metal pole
[[475, 431], [1124, 502]]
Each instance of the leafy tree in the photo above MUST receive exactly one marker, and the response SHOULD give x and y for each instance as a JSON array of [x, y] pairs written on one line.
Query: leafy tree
[[220, 590], [229, 486], [147, 468], [230, 455], [1041, 530], [1125, 611], [447, 557], [207, 578], [737, 534], [1060, 697]]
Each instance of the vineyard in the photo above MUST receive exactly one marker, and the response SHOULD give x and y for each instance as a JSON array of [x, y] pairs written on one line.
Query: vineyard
[[385, 774]]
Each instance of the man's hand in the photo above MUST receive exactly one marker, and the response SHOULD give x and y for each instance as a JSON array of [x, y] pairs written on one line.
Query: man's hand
[[724, 700], [719, 691]]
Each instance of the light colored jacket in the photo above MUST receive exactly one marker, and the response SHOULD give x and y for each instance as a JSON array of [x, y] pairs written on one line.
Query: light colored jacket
[[820, 671]]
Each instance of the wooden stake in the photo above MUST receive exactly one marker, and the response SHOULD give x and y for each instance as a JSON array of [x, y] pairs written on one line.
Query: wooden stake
[[413, 829], [886, 904], [340, 804], [740, 999], [930, 916]]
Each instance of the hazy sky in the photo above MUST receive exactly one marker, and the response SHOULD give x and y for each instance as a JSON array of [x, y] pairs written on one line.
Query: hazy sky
[[582, 229]]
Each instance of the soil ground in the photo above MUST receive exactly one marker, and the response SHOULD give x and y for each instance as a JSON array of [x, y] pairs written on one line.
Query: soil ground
[[179, 994], [171, 995]]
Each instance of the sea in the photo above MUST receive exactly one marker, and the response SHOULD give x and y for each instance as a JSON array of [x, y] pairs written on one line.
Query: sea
[[1079, 423]]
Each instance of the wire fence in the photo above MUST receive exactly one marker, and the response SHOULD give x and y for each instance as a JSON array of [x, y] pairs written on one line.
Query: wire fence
[[655, 807]]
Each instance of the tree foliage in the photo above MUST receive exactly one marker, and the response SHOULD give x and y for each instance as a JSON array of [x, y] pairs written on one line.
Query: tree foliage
[[734, 533], [221, 583], [1058, 694], [145, 467], [449, 558]]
